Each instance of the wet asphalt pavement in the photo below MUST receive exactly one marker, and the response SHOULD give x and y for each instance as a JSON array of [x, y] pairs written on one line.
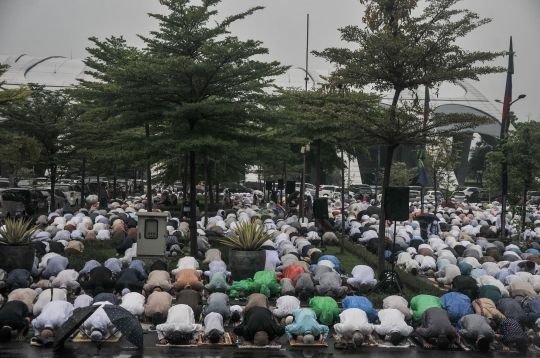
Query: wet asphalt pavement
[[123, 349]]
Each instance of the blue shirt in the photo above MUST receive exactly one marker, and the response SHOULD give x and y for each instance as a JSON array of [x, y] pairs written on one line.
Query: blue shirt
[[362, 303], [305, 320]]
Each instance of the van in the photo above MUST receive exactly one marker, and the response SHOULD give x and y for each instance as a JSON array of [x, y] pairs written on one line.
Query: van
[[11, 206]]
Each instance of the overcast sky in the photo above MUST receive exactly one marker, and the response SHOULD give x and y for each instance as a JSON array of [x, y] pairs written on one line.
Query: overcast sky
[[62, 27]]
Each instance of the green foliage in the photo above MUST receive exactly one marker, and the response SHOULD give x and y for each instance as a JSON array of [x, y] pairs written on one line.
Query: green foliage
[[477, 163], [400, 175], [521, 159], [405, 48], [16, 232], [442, 161], [10, 96], [18, 151], [246, 237]]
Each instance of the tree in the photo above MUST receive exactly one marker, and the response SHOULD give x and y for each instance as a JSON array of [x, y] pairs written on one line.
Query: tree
[[522, 160], [47, 117], [398, 51], [195, 84], [400, 175], [477, 163], [18, 151], [11, 95], [442, 160]]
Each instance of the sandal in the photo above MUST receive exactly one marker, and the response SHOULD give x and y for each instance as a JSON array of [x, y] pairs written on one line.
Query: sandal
[[338, 345], [351, 346]]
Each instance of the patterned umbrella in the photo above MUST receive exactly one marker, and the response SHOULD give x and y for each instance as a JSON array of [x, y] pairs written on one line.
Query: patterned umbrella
[[79, 316], [126, 323]]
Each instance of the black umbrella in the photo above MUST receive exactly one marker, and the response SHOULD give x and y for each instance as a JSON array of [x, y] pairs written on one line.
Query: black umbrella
[[373, 210], [427, 217], [71, 325], [126, 323]]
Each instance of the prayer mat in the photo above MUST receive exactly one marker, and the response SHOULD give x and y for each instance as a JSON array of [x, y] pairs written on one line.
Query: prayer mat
[[434, 348], [79, 339], [229, 341], [319, 343]]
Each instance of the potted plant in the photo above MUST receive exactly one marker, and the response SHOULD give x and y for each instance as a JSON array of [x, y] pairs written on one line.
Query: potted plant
[[246, 256], [16, 250]]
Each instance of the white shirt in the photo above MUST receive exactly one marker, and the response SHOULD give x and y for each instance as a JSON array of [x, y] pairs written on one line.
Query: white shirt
[[179, 318], [83, 301], [363, 274], [354, 319], [45, 258], [99, 321], [399, 303], [392, 320], [53, 315], [65, 278], [133, 302], [58, 294], [285, 305]]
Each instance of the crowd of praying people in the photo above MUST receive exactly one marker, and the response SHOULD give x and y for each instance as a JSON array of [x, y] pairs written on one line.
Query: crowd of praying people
[[488, 288]]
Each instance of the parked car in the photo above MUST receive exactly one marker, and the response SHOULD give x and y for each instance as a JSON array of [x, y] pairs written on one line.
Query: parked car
[[309, 187], [59, 196], [327, 190], [430, 196], [414, 195], [11, 206], [469, 190], [4, 183], [71, 192], [336, 195], [459, 196], [33, 199], [362, 189], [26, 183], [234, 188]]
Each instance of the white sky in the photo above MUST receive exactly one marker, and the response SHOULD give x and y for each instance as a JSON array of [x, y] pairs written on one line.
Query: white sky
[[62, 27]]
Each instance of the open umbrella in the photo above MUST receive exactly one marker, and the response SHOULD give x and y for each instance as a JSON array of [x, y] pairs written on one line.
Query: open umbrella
[[373, 210], [71, 325], [126, 323], [427, 217]]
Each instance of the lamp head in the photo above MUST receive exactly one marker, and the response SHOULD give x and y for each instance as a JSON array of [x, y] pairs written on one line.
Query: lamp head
[[522, 96]]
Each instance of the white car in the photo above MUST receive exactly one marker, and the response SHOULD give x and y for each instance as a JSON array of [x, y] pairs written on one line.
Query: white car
[[468, 191], [327, 190], [308, 187], [72, 193], [430, 196], [459, 196]]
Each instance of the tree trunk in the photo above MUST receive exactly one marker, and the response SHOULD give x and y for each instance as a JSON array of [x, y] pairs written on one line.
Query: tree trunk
[[149, 201], [211, 192], [115, 194], [184, 178], [206, 190], [53, 182], [193, 213], [435, 187], [524, 210], [386, 182], [382, 217], [342, 205], [318, 169], [82, 183], [134, 182]]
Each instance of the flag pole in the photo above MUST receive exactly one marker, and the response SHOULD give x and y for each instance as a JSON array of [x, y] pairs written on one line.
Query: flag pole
[[505, 124], [422, 177]]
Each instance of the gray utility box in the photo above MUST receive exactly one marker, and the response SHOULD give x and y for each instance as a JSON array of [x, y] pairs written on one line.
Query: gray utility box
[[151, 234]]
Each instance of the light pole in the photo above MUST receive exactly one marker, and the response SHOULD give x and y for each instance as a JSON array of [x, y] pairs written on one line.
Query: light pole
[[303, 150], [503, 211]]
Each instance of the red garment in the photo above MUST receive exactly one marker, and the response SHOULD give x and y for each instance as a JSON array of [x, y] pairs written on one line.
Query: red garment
[[292, 272]]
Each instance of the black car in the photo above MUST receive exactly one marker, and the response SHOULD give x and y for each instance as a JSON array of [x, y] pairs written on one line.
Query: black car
[[234, 188], [34, 201]]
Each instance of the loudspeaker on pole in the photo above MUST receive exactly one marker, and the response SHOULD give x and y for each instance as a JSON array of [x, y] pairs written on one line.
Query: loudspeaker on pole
[[320, 208], [396, 203], [291, 186]]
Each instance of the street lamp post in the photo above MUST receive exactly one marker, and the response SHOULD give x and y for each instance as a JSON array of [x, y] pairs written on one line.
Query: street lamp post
[[503, 211], [304, 150]]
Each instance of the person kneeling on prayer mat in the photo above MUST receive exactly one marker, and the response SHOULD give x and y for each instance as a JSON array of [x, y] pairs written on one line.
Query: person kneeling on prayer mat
[[476, 328], [180, 327], [213, 328], [259, 327], [436, 327], [304, 327], [352, 329]]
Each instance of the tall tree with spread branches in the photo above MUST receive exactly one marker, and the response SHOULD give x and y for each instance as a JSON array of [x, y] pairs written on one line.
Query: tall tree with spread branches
[[397, 51]]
